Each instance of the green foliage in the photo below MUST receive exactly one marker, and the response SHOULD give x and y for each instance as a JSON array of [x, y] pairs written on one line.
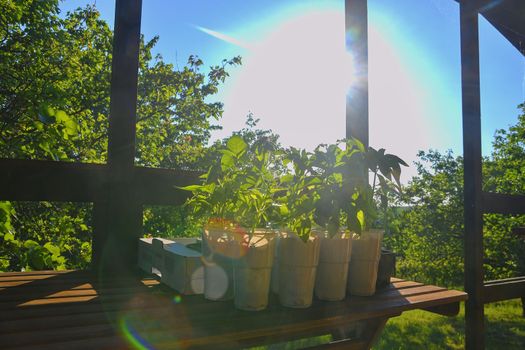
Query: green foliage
[[342, 189], [299, 196], [46, 235], [328, 187], [240, 188], [170, 221], [344, 196], [54, 105], [428, 232]]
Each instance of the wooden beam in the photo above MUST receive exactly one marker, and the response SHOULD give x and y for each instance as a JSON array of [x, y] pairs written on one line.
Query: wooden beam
[[507, 17], [505, 289], [472, 175], [118, 219], [37, 180], [356, 25], [498, 203], [451, 309], [159, 186]]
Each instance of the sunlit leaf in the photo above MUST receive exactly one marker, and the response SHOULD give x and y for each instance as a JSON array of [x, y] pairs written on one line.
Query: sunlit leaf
[[236, 144]]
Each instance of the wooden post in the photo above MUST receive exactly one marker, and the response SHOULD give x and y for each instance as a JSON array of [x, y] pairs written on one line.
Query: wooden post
[[356, 25], [474, 307], [118, 219]]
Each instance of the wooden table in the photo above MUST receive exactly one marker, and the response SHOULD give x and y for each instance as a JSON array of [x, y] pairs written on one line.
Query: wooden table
[[75, 310]]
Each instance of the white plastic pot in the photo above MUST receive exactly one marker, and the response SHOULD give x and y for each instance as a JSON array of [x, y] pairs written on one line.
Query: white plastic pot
[[252, 272], [362, 271], [219, 249], [332, 271], [297, 268]]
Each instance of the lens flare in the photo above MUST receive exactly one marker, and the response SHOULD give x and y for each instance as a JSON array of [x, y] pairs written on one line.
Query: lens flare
[[132, 336], [177, 299]]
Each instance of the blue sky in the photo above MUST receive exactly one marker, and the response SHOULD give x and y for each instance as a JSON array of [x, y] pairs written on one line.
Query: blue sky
[[414, 65]]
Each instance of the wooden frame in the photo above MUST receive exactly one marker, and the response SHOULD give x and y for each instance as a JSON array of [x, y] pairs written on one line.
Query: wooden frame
[[119, 189], [477, 202], [472, 175]]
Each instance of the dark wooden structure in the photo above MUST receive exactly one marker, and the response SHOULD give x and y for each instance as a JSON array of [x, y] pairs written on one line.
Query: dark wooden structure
[[43, 302], [77, 310], [508, 16]]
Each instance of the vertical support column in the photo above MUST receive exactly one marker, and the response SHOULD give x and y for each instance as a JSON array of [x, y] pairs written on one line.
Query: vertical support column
[[118, 219], [472, 175], [356, 25]]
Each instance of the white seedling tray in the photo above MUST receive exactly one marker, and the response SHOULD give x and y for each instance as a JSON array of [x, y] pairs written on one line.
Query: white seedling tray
[[150, 259], [183, 269], [178, 266]]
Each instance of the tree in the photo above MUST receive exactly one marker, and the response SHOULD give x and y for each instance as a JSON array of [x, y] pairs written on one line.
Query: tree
[[428, 232], [54, 104]]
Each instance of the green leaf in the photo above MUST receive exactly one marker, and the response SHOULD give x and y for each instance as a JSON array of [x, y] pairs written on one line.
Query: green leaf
[[236, 144], [30, 244], [283, 210], [361, 218], [191, 188], [71, 127], [61, 116], [227, 162], [52, 248]]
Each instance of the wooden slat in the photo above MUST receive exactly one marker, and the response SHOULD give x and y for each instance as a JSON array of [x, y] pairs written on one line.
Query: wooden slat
[[37, 180], [27, 274], [71, 319], [403, 284], [113, 342], [347, 344], [82, 285], [504, 289], [498, 203], [81, 291]]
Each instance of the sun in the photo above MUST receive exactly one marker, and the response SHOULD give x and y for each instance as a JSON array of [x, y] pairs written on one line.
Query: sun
[[294, 79]]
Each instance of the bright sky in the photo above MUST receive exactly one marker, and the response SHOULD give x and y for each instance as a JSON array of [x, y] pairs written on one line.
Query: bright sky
[[295, 69]]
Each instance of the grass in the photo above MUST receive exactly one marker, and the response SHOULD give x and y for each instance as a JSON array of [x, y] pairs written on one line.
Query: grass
[[504, 329]]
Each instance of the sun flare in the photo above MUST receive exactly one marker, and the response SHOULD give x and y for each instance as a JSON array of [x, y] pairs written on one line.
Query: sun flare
[[295, 79]]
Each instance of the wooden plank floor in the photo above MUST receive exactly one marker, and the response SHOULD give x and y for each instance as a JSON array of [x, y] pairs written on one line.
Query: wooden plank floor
[[75, 310]]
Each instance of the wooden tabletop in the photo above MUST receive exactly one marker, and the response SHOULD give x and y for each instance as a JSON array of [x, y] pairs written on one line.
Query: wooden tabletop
[[75, 310]]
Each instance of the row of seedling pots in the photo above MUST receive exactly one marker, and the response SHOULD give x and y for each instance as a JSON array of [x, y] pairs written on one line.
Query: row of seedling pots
[[317, 197], [330, 268]]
